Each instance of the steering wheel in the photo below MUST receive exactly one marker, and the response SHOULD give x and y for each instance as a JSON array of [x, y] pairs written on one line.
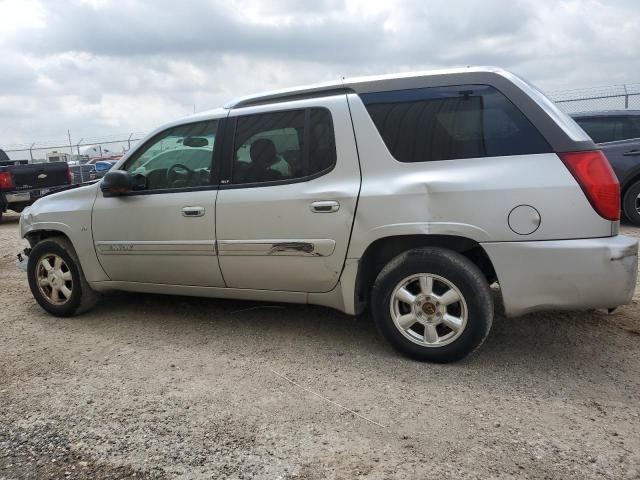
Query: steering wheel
[[179, 175]]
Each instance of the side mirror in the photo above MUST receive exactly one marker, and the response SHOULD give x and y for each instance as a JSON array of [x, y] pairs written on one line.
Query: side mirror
[[115, 182]]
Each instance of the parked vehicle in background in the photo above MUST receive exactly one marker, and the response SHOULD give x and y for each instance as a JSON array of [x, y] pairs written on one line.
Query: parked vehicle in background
[[4, 159], [103, 166], [56, 156], [22, 183], [617, 133], [104, 158], [406, 194], [83, 173]]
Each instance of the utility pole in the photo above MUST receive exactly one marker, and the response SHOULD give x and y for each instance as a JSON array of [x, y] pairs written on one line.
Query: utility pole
[[70, 144]]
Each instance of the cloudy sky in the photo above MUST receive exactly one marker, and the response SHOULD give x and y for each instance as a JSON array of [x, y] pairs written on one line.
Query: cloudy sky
[[100, 67]]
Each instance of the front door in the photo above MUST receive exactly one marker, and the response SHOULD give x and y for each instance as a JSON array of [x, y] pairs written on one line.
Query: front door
[[288, 196], [163, 232]]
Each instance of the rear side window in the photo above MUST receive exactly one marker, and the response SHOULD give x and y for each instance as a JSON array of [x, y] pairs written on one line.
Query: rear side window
[[281, 146], [446, 123], [609, 129]]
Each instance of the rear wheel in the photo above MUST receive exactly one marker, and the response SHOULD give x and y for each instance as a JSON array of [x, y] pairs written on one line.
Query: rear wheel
[[56, 278], [432, 304], [631, 203]]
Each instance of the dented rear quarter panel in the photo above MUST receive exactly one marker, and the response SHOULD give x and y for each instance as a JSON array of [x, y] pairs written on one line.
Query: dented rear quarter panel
[[471, 197]]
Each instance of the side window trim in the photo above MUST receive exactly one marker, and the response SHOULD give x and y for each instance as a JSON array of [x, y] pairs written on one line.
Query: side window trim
[[225, 179], [216, 156], [306, 137], [215, 166], [226, 152]]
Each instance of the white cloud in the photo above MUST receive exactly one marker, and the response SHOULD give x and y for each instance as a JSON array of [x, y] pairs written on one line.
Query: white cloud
[[99, 66]]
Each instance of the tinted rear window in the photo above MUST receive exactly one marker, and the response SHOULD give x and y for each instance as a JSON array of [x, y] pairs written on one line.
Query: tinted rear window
[[445, 123]]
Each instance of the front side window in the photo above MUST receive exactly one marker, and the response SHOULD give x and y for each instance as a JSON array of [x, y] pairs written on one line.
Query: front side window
[[282, 146], [180, 157], [445, 123]]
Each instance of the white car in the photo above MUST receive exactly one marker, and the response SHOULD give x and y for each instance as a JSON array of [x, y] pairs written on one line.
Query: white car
[[405, 194]]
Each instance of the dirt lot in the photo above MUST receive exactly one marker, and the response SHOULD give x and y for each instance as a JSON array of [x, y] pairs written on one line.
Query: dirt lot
[[170, 387]]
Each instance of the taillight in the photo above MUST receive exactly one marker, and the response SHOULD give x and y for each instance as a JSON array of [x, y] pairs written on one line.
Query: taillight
[[598, 182], [69, 175], [6, 181]]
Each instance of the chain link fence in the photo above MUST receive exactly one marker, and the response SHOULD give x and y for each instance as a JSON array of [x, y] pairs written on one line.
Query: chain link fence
[[613, 97], [77, 154]]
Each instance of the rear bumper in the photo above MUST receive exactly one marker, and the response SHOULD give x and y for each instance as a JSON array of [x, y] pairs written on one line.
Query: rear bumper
[[18, 197], [565, 274], [31, 195]]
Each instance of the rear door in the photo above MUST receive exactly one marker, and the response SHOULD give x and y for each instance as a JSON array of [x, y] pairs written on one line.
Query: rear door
[[288, 195], [624, 157], [619, 138]]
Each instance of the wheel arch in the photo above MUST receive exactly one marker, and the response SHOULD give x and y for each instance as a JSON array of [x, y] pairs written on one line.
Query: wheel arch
[[82, 245], [382, 250], [36, 236], [629, 182]]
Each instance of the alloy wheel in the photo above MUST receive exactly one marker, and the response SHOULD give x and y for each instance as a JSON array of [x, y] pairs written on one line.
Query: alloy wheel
[[428, 310], [54, 278]]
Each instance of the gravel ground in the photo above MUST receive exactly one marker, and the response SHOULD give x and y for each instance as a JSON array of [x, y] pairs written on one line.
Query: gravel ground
[[171, 387]]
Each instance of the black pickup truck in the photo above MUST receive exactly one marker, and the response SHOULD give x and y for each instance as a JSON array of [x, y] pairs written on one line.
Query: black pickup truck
[[22, 183]]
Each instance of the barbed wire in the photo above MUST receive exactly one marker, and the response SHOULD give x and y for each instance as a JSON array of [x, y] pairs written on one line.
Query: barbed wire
[[602, 98], [594, 92], [82, 142], [605, 97]]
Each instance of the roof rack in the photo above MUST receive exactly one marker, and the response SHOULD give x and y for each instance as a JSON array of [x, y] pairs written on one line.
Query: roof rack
[[367, 84], [288, 96]]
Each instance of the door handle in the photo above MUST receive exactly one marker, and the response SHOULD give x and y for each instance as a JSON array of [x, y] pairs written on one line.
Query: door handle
[[193, 211], [325, 206], [631, 153]]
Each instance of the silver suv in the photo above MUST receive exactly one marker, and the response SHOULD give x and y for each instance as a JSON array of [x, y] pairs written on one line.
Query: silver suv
[[406, 194]]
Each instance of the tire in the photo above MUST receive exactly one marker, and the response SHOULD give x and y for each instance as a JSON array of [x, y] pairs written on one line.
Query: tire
[[78, 296], [629, 204], [433, 278]]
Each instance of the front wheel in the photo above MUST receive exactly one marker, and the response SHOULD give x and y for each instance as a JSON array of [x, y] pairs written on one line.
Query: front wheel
[[432, 304], [56, 278]]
